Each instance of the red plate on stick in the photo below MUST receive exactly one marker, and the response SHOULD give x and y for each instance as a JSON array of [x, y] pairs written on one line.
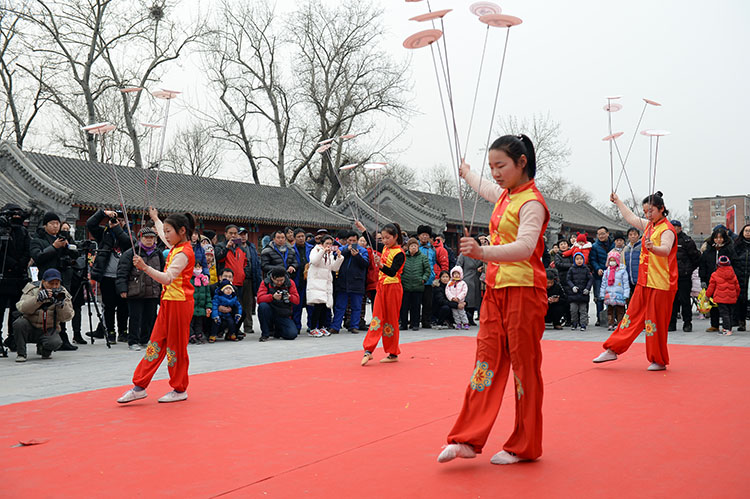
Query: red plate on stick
[[151, 125], [99, 128], [323, 148], [165, 94], [500, 20], [652, 102], [348, 136], [615, 135], [327, 141], [128, 90], [655, 133], [422, 39], [349, 167], [431, 16], [375, 166], [614, 97], [485, 8], [612, 108]]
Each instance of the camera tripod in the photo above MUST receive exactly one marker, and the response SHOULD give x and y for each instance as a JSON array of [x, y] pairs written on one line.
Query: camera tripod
[[86, 286]]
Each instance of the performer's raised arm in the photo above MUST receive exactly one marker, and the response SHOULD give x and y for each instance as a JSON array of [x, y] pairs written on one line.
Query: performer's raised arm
[[627, 214], [488, 190]]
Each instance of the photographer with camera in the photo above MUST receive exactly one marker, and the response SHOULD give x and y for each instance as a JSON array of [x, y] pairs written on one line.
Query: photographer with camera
[[43, 305], [276, 297], [14, 259], [52, 249], [113, 240]]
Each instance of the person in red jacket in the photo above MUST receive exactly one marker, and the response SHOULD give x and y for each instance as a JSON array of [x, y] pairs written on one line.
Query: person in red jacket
[[441, 255], [581, 245], [276, 297], [724, 288]]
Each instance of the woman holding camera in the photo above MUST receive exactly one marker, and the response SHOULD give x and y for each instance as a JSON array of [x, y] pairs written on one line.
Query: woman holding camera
[[325, 258]]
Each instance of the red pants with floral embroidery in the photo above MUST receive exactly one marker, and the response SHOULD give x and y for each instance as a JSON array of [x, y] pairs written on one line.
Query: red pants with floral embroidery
[[649, 310], [385, 315], [168, 338], [510, 331]]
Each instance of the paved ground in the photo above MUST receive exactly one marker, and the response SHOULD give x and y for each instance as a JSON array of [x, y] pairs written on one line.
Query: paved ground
[[94, 366]]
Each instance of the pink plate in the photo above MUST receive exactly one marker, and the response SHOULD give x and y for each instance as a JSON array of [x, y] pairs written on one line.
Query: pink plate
[[485, 8], [430, 16], [375, 166], [327, 141], [612, 108], [652, 102], [99, 128], [128, 90], [323, 148], [151, 125], [614, 97], [165, 94], [349, 166], [500, 20], [655, 133], [422, 39], [616, 135], [348, 136], [411, 1]]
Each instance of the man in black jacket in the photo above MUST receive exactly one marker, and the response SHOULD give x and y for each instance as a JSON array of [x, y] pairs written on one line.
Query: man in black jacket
[[688, 258], [112, 240], [14, 258]]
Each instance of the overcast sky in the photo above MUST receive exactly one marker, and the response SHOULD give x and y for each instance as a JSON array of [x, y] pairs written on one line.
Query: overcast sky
[[567, 56]]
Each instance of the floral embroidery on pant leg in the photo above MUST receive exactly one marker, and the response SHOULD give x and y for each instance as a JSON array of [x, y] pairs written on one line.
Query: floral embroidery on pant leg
[[171, 358], [152, 351], [650, 328], [375, 324], [481, 377], [519, 386], [387, 330]]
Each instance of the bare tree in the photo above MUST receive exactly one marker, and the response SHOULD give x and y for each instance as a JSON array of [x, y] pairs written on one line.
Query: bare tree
[[194, 152], [255, 99], [552, 150], [345, 82], [22, 99]]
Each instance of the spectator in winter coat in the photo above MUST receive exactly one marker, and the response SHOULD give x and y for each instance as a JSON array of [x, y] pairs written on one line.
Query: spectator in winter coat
[[229, 254], [349, 285], [598, 261], [278, 254], [141, 291], [619, 243], [580, 281], [582, 245], [688, 258], [456, 291], [300, 277], [724, 289], [561, 262], [199, 251], [440, 243], [225, 296], [442, 305], [632, 255], [471, 269], [277, 296], [213, 277], [741, 264], [615, 289], [556, 299], [325, 258], [202, 304], [717, 245], [253, 278], [112, 240], [424, 233], [416, 272]]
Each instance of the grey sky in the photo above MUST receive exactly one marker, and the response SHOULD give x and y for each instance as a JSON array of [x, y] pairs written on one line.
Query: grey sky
[[566, 57]]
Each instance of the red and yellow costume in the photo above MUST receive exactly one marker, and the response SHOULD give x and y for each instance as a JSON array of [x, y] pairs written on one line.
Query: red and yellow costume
[[510, 330], [172, 328], [387, 307], [650, 307]]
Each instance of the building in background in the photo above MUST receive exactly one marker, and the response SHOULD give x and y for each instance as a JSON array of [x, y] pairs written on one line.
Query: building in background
[[730, 211]]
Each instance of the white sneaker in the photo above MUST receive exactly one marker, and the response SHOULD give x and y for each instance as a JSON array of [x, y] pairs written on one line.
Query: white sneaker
[[174, 396], [132, 395], [605, 356], [504, 457], [135, 347], [452, 451], [324, 332], [656, 367]]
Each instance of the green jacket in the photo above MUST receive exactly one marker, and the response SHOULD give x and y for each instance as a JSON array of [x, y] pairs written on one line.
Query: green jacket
[[202, 297], [416, 272]]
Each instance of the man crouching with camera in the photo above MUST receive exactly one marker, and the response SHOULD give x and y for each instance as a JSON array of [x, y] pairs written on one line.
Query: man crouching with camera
[[44, 305], [276, 296]]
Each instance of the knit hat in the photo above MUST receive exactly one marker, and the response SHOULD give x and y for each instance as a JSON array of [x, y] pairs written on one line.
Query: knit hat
[[209, 250], [615, 255], [579, 253], [619, 235], [224, 284], [581, 238], [147, 231], [411, 241], [724, 261], [50, 216]]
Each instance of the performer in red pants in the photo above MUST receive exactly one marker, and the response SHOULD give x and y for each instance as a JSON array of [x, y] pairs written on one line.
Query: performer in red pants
[[169, 337], [387, 307], [513, 309], [649, 309]]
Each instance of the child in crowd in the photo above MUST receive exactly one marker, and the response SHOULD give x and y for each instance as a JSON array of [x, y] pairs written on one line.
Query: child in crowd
[[556, 299], [202, 299], [724, 288], [615, 289], [441, 306], [456, 291], [581, 245], [580, 281], [211, 261], [619, 243], [226, 296]]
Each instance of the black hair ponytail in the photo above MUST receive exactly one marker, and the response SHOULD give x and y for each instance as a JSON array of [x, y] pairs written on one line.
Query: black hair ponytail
[[178, 221], [516, 146], [394, 229], [657, 201]]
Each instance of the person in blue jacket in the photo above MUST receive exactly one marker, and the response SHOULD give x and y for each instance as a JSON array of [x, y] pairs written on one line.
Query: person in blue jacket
[[598, 262], [631, 256], [349, 285]]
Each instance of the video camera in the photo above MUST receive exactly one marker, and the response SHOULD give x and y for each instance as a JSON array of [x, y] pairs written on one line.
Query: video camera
[[11, 218]]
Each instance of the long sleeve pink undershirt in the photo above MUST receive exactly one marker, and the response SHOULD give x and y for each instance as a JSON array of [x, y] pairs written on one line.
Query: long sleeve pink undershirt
[[178, 264], [531, 220], [667, 237]]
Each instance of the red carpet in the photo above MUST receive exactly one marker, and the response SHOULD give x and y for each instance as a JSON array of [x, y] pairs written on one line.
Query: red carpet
[[326, 427]]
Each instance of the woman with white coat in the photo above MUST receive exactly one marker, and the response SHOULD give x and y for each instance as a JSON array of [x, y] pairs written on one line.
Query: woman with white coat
[[325, 258]]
